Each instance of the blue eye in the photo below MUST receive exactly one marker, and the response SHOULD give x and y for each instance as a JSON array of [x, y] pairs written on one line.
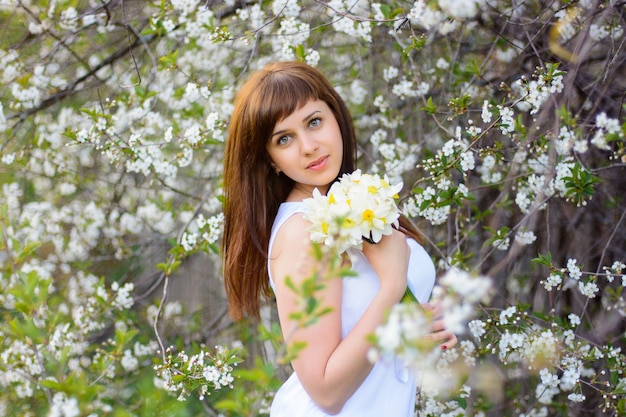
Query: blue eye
[[282, 140], [315, 122]]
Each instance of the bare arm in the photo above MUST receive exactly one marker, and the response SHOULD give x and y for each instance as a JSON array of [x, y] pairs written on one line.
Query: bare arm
[[329, 368]]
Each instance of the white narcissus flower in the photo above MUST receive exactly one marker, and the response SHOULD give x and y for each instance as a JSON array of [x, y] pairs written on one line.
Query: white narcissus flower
[[357, 206], [331, 223]]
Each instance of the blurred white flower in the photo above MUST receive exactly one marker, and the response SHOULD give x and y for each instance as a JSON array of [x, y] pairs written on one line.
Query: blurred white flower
[[461, 9], [62, 406], [405, 333], [501, 244], [525, 237], [574, 319], [577, 398], [128, 361]]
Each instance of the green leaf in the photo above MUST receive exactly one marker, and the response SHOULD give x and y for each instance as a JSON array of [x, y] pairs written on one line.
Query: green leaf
[[168, 61], [430, 107], [543, 260]]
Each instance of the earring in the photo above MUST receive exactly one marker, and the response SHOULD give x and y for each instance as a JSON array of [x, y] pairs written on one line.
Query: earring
[[276, 169]]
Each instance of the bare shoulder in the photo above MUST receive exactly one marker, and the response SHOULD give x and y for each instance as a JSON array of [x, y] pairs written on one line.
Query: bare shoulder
[[291, 251], [293, 234]]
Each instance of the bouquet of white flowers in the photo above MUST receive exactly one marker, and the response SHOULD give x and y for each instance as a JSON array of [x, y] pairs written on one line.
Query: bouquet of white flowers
[[358, 206]]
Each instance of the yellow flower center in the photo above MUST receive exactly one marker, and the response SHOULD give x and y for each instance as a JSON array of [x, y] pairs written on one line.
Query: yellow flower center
[[368, 215], [372, 190], [325, 227]]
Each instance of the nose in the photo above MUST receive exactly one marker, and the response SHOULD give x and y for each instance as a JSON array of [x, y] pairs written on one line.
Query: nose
[[308, 144]]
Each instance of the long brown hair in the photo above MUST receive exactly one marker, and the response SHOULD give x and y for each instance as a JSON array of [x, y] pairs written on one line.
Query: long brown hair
[[252, 190]]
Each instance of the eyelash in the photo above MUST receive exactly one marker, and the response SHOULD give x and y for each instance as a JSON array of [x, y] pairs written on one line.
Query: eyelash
[[315, 119]]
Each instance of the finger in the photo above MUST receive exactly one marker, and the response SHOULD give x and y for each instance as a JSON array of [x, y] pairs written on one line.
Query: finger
[[452, 341], [434, 309], [440, 336], [437, 325]]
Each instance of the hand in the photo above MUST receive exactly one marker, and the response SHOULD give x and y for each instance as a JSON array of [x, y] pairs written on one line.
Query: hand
[[390, 260], [438, 329]]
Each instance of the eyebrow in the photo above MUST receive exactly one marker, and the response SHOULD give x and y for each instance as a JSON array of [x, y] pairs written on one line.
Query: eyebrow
[[303, 120]]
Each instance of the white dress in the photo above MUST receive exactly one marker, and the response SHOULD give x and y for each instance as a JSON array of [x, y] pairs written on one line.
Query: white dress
[[389, 389]]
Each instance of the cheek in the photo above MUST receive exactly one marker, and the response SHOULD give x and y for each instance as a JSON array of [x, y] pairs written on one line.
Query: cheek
[[279, 159], [272, 155], [339, 140]]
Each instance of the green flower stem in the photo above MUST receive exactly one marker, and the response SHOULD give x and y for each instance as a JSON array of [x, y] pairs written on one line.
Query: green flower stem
[[408, 297]]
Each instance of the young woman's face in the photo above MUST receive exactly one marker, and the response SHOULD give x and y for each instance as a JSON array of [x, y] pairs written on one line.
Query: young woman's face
[[307, 147]]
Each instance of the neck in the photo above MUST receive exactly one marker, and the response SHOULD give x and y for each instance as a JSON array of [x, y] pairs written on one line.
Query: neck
[[300, 192]]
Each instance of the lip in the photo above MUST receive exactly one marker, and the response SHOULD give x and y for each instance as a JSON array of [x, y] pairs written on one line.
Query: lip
[[319, 163]]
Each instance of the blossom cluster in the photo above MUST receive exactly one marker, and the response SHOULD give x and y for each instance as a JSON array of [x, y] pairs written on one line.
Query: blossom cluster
[[52, 334], [358, 206], [535, 92], [556, 357], [433, 202], [553, 355], [572, 277], [205, 232], [202, 373]]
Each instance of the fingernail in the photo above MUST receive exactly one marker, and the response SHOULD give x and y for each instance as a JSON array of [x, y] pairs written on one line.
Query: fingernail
[[443, 347]]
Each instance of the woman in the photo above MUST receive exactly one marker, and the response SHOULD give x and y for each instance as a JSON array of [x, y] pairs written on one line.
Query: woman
[[290, 133]]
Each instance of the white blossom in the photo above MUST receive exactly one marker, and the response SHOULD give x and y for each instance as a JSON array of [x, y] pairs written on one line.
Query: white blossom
[[357, 92], [62, 406], [462, 9], [123, 298], [576, 397], [553, 280], [128, 361], [8, 158], [506, 55], [588, 289], [573, 269], [574, 319], [525, 237], [501, 244], [477, 328], [598, 32], [506, 314], [189, 241], [442, 64], [288, 8], [426, 17], [507, 123], [390, 73], [184, 7], [312, 57]]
